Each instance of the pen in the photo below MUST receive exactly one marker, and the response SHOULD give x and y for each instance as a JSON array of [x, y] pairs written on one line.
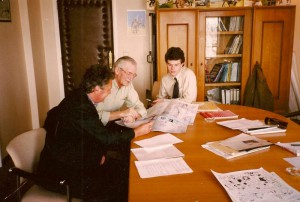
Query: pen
[[263, 127], [295, 144]]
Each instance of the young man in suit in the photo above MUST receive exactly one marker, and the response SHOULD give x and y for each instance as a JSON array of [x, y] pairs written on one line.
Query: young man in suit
[[77, 143]]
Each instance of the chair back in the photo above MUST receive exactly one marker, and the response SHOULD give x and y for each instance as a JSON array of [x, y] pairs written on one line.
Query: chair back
[[155, 90], [25, 149]]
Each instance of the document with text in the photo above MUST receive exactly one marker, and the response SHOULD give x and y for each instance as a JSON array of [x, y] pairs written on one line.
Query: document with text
[[162, 167]]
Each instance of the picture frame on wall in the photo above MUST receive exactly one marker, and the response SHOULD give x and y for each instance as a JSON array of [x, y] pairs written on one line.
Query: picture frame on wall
[[136, 22], [5, 15]]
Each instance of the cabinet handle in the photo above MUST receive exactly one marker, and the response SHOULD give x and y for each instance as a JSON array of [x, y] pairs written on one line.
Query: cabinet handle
[[201, 64]]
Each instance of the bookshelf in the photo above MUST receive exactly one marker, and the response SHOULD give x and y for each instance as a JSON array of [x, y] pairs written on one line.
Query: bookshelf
[[265, 34], [224, 41]]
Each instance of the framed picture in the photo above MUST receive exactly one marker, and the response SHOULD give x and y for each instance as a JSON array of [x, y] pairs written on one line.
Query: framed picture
[[5, 11], [136, 22]]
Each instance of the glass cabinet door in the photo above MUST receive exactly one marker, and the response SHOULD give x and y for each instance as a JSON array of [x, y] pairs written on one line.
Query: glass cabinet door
[[223, 57]]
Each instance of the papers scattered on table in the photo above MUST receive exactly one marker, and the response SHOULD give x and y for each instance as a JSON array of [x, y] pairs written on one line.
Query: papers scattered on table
[[237, 146], [159, 140], [294, 161], [226, 114], [159, 157], [252, 127], [162, 167], [293, 147], [165, 151], [169, 116], [256, 185]]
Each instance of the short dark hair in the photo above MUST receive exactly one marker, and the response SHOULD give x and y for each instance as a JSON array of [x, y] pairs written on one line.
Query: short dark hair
[[96, 75], [175, 53]]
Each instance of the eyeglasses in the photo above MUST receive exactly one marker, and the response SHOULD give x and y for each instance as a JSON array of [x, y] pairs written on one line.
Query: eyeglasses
[[129, 74]]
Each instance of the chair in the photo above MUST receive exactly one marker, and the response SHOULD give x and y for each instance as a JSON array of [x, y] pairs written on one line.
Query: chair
[[25, 150]]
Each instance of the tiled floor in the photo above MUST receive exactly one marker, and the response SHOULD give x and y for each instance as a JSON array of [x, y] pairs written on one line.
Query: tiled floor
[[7, 182]]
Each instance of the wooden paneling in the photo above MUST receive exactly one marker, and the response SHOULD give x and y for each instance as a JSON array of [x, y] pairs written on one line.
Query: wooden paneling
[[176, 29], [273, 29]]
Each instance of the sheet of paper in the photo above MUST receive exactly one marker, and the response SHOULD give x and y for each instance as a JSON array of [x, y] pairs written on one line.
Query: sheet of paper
[[162, 167], [165, 151], [158, 140], [244, 142], [294, 161], [240, 124], [168, 125], [181, 111], [290, 146], [256, 185]]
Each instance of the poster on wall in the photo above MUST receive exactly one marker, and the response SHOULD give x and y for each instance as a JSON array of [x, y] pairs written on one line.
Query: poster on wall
[[136, 22], [4, 11]]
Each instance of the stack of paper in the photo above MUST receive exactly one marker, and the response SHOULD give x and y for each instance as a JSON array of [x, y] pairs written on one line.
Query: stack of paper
[[256, 185], [252, 127], [159, 157], [237, 146]]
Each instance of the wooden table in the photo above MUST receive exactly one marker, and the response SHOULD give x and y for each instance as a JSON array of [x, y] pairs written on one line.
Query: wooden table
[[201, 185]]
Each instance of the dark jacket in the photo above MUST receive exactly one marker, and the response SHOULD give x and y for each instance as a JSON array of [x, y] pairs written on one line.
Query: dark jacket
[[76, 139], [257, 93]]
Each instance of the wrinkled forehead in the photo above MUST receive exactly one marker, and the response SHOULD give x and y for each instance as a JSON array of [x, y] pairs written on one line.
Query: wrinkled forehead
[[128, 66]]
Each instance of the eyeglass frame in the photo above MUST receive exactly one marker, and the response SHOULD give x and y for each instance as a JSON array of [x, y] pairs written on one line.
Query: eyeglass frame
[[133, 75]]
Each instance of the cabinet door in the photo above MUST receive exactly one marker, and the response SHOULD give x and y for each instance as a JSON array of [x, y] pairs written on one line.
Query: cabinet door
[[224, 54], [176, 28], [273, 29]]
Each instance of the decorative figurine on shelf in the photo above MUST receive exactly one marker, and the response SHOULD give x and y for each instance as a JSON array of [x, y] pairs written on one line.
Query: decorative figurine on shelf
[[230, 2]]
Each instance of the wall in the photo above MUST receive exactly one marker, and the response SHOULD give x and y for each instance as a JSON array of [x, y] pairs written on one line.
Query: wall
[[136, 46], [15, 104]]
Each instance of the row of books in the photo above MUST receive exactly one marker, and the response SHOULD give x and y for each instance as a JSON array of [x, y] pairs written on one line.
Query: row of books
[[230, 96], [225, 72], [234, 45], [235, 23], [224, 95]]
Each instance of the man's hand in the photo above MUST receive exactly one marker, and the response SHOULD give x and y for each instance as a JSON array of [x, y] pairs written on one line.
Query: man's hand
[[129, 115], [143, 129]]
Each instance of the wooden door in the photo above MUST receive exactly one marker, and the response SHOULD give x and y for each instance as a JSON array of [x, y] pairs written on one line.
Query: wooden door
[[86, 35], [272, 47], [176, 28]]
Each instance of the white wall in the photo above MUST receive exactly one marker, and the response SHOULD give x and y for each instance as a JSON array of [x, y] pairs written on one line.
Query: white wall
[[135, 46]]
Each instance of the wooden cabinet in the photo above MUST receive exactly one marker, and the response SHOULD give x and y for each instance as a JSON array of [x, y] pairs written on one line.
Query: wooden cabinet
[[204, 35], [176, 28], [225, 37], [272, 47]]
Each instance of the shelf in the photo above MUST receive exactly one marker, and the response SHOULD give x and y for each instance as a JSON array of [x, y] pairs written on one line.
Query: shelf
[[223, 84], [225, 56], [230, 32]]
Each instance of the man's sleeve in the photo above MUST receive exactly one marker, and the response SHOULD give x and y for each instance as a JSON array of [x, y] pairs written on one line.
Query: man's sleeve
[[103, 115], [133, 100]]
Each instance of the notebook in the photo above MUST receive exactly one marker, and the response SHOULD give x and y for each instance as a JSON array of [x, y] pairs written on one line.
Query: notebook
[[226, 114]]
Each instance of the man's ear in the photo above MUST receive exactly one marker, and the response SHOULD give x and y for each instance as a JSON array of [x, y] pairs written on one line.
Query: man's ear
[[117, 70]]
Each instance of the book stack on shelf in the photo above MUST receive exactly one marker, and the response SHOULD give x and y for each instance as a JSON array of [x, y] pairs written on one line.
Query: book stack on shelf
[[225, 72], [234, 45], [230, 96]]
